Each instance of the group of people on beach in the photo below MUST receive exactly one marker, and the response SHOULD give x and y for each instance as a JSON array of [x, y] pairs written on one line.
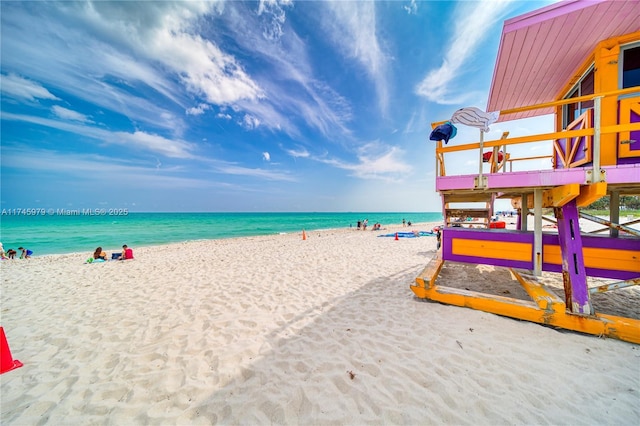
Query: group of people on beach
[[100, 255], [11, 253], [362, 225]]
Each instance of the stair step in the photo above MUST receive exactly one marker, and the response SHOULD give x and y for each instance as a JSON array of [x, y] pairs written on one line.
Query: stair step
[[459, 217], [467, 197], [474, 213]]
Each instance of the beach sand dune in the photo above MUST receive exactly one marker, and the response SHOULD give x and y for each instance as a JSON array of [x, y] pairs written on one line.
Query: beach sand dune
[[280, 330]]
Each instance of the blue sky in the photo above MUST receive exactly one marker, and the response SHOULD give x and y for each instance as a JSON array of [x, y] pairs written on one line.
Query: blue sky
[[240, 106]]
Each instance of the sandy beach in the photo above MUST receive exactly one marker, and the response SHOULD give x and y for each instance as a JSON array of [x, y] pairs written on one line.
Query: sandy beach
[[281, 330]]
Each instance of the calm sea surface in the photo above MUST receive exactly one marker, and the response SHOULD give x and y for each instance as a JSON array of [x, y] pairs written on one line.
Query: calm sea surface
[[58, 234]]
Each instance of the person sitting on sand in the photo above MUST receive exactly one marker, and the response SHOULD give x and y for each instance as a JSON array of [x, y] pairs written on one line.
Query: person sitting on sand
[[99, 254], [127, 253], [2, 253], [11, 253], [26, 254]]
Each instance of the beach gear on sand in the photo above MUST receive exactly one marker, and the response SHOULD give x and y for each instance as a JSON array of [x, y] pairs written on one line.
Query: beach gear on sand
[[409, 234]]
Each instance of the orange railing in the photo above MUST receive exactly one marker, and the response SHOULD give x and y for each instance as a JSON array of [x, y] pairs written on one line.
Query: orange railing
[[594, 132]]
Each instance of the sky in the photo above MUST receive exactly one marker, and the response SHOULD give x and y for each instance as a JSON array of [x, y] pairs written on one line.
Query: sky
[[231, 106]]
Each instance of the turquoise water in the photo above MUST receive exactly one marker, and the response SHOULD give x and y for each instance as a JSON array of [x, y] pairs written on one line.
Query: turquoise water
[[58, 234]]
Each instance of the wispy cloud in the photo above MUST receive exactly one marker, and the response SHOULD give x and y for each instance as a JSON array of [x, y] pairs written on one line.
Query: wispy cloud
[[68, 114], [298, 153], [17, 87], [352, 26], [442, 85], [138, 140], [256, 173], [99, 168], [274, 12], [249, 122], [411, 8], [375, 160], [297, 97]]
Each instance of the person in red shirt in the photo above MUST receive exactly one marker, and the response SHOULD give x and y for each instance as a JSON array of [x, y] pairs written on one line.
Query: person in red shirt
[[127, 253]]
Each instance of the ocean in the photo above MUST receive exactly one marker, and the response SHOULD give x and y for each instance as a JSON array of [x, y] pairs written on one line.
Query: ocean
[[83, 231]]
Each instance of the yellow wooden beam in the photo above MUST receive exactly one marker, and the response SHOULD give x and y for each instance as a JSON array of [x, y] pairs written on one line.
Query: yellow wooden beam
[[600, 258], [492, 249], [627, 329], [591, 193], [560, 195], [428, 276], [543, 297]]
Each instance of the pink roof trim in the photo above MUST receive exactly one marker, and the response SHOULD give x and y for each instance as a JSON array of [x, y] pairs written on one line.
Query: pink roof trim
[[541, 51], [549, 12]]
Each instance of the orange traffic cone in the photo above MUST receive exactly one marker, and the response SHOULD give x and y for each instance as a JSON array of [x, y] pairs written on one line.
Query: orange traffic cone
[[7, 363], [304, 235], [396, 236]]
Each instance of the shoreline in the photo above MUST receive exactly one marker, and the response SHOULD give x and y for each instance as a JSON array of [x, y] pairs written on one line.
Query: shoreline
[[62, 235], [109, 250]]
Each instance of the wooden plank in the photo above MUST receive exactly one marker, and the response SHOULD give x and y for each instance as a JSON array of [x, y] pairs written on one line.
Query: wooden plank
[[475, 213], [610, 259], [539, 293], [427, 277], [627, 329], [559, 196], [591, 193]]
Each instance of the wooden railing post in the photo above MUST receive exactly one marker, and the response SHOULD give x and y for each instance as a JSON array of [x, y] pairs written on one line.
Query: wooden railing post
[[597, 123]]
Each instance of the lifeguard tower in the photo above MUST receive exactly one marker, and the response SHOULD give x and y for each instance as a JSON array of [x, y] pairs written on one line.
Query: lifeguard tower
[[578, 60]]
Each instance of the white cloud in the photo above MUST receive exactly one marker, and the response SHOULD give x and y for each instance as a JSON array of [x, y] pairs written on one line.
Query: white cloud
[[259, 173], [276, 17], [298, 153], [67, 114], [250, 122], [442, 85], [131, 47], [198, 110], [17, 87], [167, 37], [375, 161], [296, 93], [412, 8]]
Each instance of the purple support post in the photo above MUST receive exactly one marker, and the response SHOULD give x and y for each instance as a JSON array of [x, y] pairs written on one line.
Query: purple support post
[[574, 274], [519, 221]]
